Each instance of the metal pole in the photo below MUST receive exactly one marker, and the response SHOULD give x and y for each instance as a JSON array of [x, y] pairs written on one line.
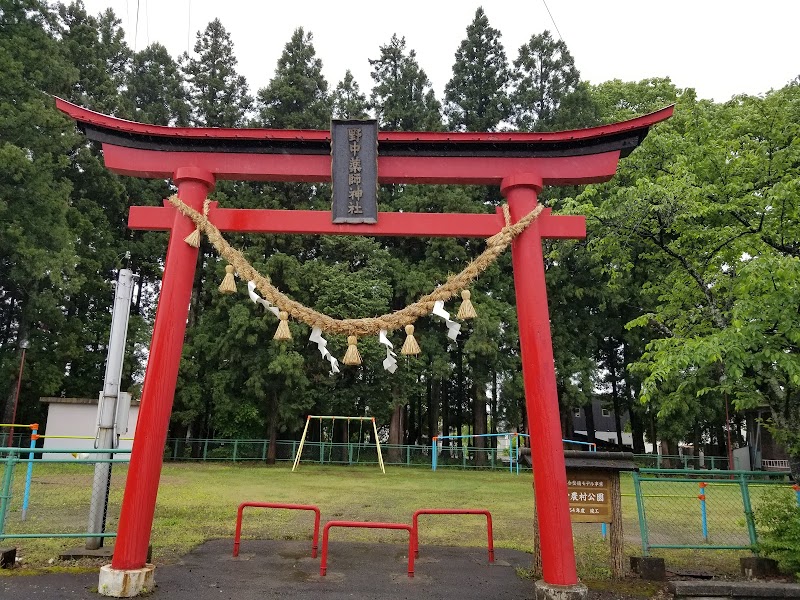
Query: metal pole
[[703, 512], [29, 475], [107, 409], [5, 493], [24, 345], [637, 488], [748, 510]]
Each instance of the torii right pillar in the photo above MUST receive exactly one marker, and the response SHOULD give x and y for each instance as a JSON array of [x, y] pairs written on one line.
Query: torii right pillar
[[560, 578]]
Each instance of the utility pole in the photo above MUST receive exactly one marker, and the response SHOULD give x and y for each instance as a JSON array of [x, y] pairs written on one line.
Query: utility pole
[[113, 404]]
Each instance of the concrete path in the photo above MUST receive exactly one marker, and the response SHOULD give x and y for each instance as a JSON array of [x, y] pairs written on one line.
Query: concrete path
[[284, 569]]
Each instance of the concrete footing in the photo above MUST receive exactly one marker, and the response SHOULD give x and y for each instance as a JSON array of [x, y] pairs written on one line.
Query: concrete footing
[[757, 567], [548, 591], [650, 568], [127, 583]]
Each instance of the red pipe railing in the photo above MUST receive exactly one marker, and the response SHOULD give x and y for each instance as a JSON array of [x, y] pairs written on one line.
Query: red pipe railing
[[237, 537], [323, 565], [452, 511]]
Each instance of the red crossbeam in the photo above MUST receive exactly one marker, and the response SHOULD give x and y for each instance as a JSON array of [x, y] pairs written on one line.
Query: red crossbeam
[[237, 537], [317, 222], [453, 511], [323, 565]]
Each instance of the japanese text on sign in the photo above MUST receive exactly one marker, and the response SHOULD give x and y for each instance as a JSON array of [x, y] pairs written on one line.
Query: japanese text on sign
[[589, 497], [354, 171]]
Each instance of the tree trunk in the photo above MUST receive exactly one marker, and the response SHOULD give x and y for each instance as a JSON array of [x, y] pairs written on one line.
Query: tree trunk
[[396, 431], [479, 422], [493, 409], [445, 387], [588, 411], [434, 394], [612, 363], [272, 432]]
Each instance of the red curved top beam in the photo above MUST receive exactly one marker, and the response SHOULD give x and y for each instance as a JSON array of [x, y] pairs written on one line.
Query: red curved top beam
[[559, 158], [89, 117]]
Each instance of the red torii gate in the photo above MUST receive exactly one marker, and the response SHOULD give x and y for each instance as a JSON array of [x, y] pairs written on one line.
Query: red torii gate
[[520, 163]]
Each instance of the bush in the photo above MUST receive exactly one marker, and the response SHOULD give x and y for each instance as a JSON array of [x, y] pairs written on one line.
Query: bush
[[778, 518]]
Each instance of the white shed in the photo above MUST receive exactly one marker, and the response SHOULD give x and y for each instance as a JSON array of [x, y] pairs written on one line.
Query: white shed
[[78, 417]]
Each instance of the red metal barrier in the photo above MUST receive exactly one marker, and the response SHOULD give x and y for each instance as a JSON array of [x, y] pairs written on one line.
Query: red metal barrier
[[323, 565], [237, 537], [452, 511]]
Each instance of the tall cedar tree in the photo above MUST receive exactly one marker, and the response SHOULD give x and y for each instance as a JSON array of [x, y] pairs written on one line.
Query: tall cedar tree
[[476, 98], [347, 101], [544, 75], [219, 94], [402, 97], [37, 255], [297, 96], [154, 91]]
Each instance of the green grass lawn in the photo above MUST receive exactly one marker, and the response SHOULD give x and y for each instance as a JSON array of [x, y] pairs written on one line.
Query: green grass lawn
[[197, 502]]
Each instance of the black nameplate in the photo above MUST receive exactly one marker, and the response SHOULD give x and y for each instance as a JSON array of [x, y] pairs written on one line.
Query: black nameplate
[[354, 171]]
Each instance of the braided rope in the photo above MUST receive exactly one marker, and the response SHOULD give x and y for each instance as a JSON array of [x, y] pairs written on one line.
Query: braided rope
[[495, 246]]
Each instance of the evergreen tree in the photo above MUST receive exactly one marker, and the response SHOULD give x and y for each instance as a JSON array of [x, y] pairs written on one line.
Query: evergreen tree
[[544, 76], [297, 96], [37, 264], [347, 100], [96, 47], [402, 97], [154, 90], [218, 93], [476, 98]]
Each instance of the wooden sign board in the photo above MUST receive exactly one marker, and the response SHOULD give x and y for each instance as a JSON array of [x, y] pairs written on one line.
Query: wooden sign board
[[589, 496], [354, 171]]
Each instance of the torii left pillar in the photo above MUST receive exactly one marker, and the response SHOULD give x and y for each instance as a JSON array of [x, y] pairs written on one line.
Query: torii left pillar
[[125, 576]]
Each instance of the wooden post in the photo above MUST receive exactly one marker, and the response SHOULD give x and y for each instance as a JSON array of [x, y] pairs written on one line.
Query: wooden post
[[616, 535]]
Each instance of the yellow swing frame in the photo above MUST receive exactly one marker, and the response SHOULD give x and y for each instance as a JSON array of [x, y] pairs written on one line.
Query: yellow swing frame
[[333, 418]]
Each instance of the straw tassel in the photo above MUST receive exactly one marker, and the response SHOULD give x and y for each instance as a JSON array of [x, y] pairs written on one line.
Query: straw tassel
[[466, 310], [228, 285], [352, 357], [410, 346], [193, 239], [283, 332]]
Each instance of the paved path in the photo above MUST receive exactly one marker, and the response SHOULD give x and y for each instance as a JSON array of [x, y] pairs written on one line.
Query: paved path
[[284, 569]]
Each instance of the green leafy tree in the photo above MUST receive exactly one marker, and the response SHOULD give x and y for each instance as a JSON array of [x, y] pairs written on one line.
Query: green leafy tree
[[476, 98], [705, 208]]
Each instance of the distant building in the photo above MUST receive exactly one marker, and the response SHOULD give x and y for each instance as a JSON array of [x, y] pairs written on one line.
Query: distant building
[[604, 424], [78, 417]]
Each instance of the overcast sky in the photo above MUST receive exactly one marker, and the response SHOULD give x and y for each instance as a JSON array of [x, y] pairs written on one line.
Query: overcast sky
[[720, 48]]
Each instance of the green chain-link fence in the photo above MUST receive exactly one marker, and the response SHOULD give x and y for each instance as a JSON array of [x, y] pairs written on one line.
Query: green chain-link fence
[[700, 509], [51, 494]]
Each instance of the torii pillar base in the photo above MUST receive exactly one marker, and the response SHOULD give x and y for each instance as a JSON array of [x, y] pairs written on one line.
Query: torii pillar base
[[548, 591], [126, 583]]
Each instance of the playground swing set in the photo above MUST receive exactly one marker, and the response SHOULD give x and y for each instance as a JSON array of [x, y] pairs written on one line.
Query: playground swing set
[[519, 163], [332, 419]]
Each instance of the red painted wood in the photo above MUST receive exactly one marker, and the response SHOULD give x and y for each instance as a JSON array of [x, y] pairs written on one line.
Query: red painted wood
[[541, 397], [141, 488], [84, 115], [323, 563], [316, 222], [240, 513], [566, 170]]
